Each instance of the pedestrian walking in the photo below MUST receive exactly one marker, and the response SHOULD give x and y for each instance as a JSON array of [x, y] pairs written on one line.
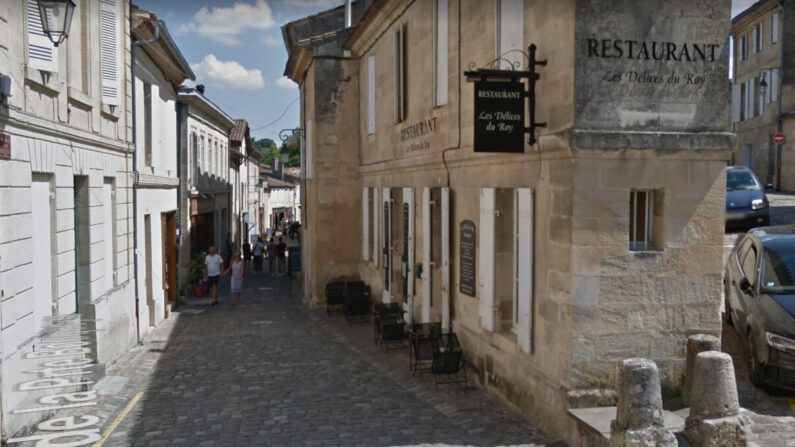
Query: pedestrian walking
[[246, 254], [213, 265], [281, 248], [236, 269], [271, 255], [259, 247]]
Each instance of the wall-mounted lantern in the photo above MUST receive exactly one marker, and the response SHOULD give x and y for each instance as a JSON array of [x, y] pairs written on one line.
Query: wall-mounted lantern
[[56, 18]]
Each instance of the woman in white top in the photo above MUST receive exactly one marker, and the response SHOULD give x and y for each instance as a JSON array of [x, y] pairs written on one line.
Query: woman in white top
[[237, 269]]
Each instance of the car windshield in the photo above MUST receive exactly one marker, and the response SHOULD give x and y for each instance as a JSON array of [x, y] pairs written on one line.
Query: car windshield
[[778, 271], [740, 179]]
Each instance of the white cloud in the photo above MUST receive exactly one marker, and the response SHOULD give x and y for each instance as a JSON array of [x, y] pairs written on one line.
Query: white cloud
[[313, 3], [229, 74], [269, 40], [285, 82], [224, 24]]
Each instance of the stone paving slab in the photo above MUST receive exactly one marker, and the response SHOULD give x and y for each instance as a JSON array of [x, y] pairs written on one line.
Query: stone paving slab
[[271, 372]]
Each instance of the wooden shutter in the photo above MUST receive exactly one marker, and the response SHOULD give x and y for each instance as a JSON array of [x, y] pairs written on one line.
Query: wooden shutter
[[109, 51], [370, 94], [387, 250], [427, 274], [365, 224], [774, 28], [736, 102], [486, 258], [510, 33], [446, 259], [524, 209], [42, 54]]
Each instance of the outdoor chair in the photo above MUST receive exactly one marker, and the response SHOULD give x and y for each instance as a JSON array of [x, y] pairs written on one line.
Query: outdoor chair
[[389, 325], [357, 301], [335, 295], [420, 346], [448, 360]]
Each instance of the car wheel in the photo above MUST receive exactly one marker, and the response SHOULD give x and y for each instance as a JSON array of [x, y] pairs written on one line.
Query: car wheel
[[755, 371]]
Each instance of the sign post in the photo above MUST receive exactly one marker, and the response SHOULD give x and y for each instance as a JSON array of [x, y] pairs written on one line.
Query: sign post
[[778, 138]]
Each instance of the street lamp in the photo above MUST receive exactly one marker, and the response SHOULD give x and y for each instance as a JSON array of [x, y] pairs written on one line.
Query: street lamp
[[284, 154], [56, 18], [763, 82]]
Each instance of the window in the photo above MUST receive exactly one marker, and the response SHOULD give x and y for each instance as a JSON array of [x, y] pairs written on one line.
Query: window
[[742, 110], [758, 99], [109, 37], [749, 100], [194, 144], [774, 19], [749, 265], [42, 54], [645, 225], [400, 73], [440, 52], [757, 39], [308, 154], [742, 48], [371, 94], [147, 124], [365, 224], [202, 156], [510, 33]]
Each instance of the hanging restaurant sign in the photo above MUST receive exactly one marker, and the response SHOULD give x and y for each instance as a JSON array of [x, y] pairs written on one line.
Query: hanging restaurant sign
[[499, 116]]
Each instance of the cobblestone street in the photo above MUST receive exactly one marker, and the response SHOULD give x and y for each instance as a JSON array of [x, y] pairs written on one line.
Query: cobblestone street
[[765, 402], [269, 372]]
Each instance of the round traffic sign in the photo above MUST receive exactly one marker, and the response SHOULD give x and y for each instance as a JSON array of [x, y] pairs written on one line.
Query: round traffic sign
[[778, 138]]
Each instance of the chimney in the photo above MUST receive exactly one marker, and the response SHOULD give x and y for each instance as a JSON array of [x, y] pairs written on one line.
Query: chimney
[[200, 88]]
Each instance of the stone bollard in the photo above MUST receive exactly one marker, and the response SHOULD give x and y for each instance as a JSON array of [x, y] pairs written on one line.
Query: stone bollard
[[714, 409], [696, 344], [639, 416]]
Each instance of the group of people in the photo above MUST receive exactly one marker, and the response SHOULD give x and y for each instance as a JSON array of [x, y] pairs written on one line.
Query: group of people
[[214, 264], [274, 252]]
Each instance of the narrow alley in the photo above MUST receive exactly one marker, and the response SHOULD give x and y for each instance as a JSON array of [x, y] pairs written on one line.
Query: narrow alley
[[269, 372]]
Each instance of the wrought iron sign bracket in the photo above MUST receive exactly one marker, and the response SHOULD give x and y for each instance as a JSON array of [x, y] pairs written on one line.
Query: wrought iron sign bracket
[[496, 74]]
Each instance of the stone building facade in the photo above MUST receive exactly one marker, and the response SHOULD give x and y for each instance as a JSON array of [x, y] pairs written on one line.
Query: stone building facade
[[760, 94], [205, 188], [600, 242], [66, 188], [159, 69]]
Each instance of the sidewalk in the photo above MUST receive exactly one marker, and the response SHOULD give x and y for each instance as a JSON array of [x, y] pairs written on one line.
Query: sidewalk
[[271, 372]]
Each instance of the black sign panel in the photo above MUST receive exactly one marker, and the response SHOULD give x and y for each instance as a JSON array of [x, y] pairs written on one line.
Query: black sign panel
[[467, 261], [405, 258], [499, 116], [387, 249]]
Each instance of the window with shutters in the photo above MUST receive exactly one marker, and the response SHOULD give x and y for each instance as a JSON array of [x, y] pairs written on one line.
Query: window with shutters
[[440, 52], [42, 54], [758, 38], [109, 49], [742, 102], [400, 73], [509, 34], [742, 48], [774, 23], [196, 165]]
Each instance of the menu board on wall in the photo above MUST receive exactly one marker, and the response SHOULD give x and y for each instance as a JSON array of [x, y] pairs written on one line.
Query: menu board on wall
[[467, 258]]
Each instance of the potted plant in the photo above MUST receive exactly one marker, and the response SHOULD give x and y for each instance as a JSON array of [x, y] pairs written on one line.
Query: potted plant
[[196, 274]]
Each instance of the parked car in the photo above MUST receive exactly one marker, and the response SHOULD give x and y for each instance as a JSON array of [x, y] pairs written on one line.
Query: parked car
[[746, 203], [760, 302]]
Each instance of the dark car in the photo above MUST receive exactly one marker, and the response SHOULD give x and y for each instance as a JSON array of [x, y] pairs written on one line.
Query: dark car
[[746, 203], [760, 302]]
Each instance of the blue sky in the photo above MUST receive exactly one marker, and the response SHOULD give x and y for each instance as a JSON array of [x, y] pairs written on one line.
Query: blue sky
[[236, 50]]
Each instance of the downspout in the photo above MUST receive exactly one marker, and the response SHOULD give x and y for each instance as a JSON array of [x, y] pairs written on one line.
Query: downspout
[[134, 45], [180, 118], [779, 123]]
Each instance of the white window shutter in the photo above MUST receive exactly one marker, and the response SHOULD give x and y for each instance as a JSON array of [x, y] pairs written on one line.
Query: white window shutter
[[761, 38], [371, 94], [109, 49], [440, 52], [446, 259], [486, 259], [524, 330], [309, 149], [736, 100], [753, 41], [751, 98], [408, 201], [376, 232], [365, 224], [42, 54], [774, 80], [774, 28], [510, 29], [426, 254]]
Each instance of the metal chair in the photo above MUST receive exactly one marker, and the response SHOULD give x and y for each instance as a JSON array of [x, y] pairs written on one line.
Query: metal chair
[[421, 349], [389, 325], [448, 359], [357, 301], [335, 295]]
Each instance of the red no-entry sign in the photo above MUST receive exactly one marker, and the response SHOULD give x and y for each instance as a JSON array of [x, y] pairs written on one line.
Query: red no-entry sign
[[778, 138]]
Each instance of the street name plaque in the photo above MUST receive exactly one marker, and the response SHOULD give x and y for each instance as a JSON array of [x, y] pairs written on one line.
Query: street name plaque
[[467, 261]]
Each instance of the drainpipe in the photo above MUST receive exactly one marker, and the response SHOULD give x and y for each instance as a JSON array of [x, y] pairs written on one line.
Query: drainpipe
[[180, 118], [780, 124], [135, 44]]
